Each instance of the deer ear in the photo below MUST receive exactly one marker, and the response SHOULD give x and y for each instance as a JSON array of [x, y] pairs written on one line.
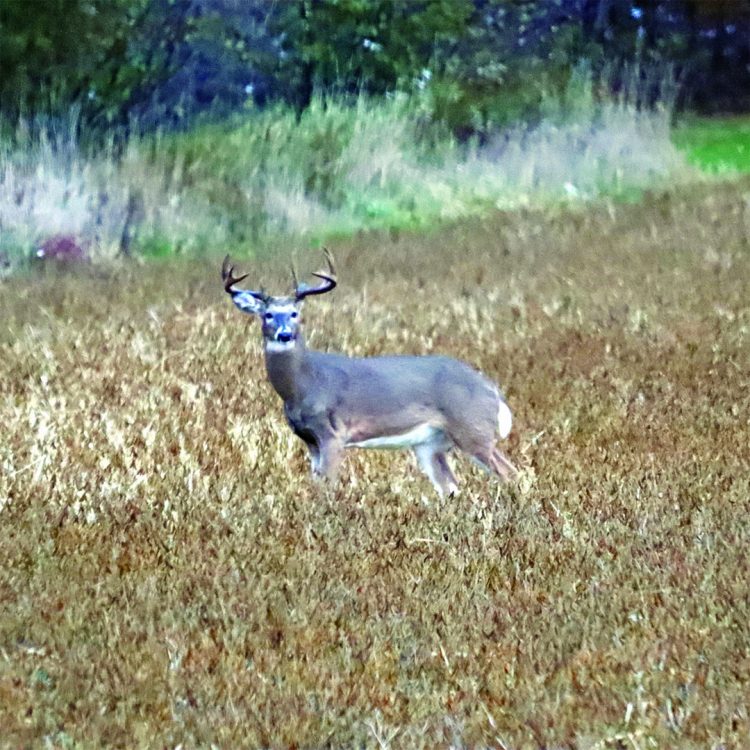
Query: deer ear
[[247, 303]]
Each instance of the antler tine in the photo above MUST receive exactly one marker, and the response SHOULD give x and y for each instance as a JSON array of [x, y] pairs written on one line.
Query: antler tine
[[226, 275], [295, 280], [328, 277], [331, 275]]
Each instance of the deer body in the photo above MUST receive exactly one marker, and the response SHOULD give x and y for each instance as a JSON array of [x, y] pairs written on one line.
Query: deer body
[[430, 404]]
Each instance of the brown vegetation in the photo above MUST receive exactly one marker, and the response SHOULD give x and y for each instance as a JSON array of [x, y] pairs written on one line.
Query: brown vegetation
[[169, 575]]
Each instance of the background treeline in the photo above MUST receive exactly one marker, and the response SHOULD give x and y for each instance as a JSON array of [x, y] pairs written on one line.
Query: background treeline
[[479, 63]]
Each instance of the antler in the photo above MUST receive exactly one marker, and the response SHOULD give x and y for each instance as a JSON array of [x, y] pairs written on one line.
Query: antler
[[329, 280], [229, 281], [226, 275]]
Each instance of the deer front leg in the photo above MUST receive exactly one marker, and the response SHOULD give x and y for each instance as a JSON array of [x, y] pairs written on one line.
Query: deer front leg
[[314, 458], [311, 442], [326, 459], [326, 447]]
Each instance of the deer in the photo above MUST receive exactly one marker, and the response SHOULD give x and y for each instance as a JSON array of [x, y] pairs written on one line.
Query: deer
[[430, 404]]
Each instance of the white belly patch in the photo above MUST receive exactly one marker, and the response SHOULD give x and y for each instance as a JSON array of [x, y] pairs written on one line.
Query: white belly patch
[[421, 434]]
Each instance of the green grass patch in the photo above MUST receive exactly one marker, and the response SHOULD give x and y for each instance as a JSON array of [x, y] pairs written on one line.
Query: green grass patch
[[716, 145]]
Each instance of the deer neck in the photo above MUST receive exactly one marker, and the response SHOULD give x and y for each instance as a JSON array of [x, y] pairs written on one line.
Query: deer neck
[[285, 369]]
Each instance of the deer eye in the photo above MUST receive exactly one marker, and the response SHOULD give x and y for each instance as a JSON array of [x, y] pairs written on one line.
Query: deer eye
[[268, 316], [295, 315]]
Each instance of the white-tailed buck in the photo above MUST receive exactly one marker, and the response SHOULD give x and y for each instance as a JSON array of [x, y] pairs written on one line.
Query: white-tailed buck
[[430, 404]]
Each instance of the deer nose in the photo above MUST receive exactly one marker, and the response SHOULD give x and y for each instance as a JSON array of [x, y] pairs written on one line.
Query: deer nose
[[284, 335]]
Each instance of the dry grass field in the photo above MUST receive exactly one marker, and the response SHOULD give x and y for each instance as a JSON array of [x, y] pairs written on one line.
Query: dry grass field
[[169, 576]]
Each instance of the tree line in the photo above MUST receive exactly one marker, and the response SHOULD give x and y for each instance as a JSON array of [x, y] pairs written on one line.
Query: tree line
[[477, 62]]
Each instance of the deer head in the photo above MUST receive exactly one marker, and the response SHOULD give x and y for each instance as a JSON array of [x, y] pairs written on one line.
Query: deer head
[[279, 316]]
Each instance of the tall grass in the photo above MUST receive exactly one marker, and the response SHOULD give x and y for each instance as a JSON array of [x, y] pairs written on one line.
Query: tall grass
[[341, 167], [51, 185]]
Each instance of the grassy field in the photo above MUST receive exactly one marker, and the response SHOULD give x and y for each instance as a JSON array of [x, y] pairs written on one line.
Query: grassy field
[[169, 576]]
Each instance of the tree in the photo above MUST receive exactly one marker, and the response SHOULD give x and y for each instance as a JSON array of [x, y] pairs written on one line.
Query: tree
[[481, 63], [362, 45], [59, 51]]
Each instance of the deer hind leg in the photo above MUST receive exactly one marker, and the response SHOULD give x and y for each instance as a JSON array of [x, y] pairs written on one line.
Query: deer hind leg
[[479, 445], [434, 463], [493, 462], [502, 466]]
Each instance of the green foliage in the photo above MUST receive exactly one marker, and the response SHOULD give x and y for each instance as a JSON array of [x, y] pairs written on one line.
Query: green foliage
[[163, 61], [510, 61], [481, 64], [365, 45], [67, 51]]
